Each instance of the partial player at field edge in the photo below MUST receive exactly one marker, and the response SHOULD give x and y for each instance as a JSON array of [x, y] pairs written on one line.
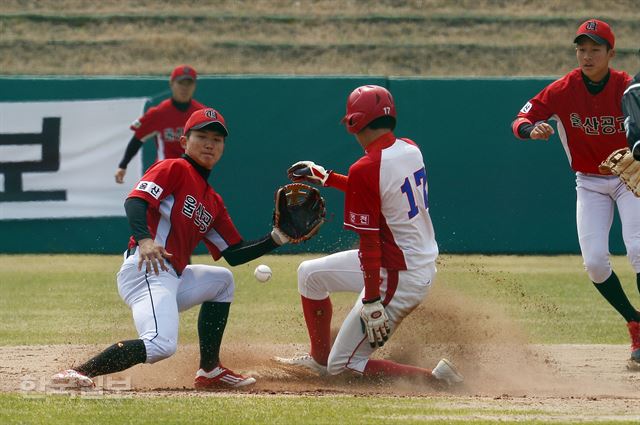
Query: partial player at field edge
[[631, 111], [586, 103]]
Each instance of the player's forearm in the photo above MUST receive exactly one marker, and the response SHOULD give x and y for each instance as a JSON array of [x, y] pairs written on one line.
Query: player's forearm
[[136, 209], [522, 128], [370, 260], [132, 148], [338, 181], [246, 251]]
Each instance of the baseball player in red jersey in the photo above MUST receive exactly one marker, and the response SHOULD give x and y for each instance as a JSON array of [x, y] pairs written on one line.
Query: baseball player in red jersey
[[165, 121], [586, 103], [170, 210], [386, 205]]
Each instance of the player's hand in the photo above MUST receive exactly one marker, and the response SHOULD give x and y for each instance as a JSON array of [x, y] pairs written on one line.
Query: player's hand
[[308, 171], [120, 172], [542, 131], [279, 236], [152, 256], [376, 322]]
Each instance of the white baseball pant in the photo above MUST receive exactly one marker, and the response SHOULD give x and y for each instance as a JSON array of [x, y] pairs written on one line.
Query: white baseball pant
[[155, 301], [341, 272], [596, 197]]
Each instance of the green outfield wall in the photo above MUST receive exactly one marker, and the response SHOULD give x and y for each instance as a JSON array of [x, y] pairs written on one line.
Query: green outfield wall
[[488, 192]]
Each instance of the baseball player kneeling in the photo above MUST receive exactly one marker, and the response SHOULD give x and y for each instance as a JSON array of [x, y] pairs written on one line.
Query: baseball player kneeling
[[170, 210], [386, 205]]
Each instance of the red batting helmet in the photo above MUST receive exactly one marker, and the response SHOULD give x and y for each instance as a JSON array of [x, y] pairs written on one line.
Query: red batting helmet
[[365, 104]]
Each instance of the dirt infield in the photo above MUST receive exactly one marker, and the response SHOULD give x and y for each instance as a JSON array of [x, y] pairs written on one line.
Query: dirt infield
[[573, 381], [503, 372]]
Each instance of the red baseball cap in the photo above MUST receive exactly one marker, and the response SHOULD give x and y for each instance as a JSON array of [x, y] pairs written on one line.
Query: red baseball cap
[[204, 117], [598, 31], [183, 72]]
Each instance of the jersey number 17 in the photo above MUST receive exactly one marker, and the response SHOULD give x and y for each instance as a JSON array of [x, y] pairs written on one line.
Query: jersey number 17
[[420, 178]]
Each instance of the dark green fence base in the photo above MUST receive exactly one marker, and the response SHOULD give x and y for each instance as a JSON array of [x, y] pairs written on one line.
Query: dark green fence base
[[488, 192]]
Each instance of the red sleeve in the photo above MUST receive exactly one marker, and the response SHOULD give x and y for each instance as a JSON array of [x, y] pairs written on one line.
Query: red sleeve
[[338, 181], [146, 125], [159, 182], [362, 203], [370, 255], [223, 232], [535, 110]]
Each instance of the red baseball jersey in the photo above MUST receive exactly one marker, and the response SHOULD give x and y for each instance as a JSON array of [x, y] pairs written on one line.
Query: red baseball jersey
[[166, 123], [184, 210], [590, 126], [387, 193]]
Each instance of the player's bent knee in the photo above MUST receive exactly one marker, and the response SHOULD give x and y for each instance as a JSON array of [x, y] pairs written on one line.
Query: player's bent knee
[[598, 272], [227, 276], [220, 287], [310, 283], [226, 294], [159, 349], [303, 277]]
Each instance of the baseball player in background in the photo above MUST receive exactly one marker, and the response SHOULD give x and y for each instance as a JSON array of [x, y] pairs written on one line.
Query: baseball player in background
[[586, 103], [386, 205], [170, 210], [165, 121], [631, 111]]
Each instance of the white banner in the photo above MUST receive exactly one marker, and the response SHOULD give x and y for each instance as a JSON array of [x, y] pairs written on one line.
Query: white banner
[[58, 158]]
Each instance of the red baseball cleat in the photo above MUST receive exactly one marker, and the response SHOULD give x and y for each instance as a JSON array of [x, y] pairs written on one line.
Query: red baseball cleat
[[221, 378]]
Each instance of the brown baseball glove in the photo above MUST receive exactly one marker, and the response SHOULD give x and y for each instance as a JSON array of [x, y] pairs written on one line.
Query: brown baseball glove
[[299, 211], [621, 163]]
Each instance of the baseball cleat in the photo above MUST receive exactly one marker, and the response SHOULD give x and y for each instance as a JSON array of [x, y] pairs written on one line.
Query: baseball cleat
[[304, 361], [446, 372], [221, 378], [71, 379], [633, 365]]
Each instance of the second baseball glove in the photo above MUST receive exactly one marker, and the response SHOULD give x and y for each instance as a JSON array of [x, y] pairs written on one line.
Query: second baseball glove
[[621, 163], [299, 211]]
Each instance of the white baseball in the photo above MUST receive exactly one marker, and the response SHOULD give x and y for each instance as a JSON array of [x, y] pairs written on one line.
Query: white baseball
[[262, 273]]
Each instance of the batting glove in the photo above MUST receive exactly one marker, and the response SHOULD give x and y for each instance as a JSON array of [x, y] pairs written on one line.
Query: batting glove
[[308, 171], [376, 322]]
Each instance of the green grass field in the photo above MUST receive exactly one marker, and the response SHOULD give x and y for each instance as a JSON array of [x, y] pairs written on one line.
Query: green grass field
[[73, 299], [329, 410], [67, 299]]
